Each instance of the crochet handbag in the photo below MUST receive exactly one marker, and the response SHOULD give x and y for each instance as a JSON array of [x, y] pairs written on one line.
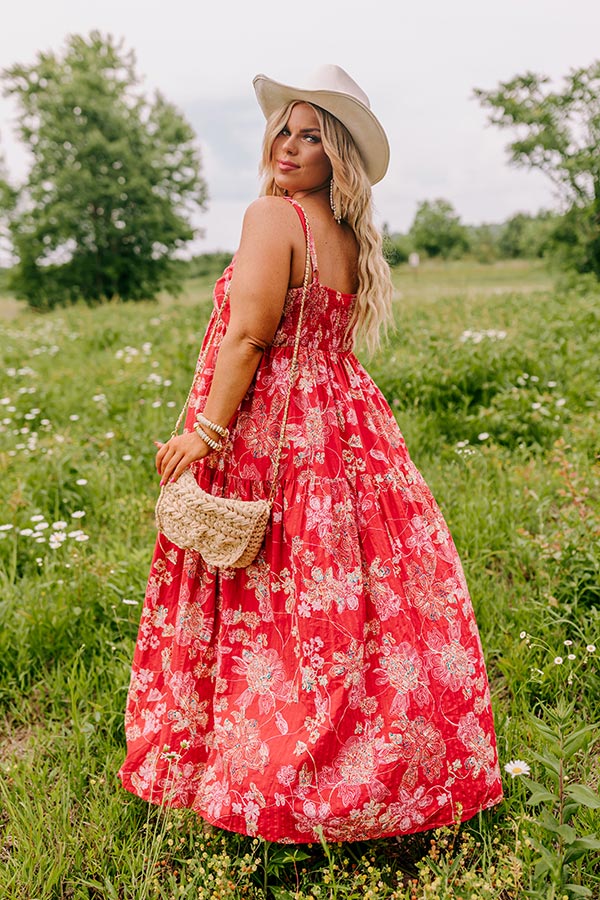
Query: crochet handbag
[[226, 531]]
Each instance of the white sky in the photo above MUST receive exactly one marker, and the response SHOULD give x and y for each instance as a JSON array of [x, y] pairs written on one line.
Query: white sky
[[418, 62]]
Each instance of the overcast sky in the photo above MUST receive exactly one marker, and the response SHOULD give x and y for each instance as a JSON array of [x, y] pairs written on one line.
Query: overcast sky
[[418, 62]]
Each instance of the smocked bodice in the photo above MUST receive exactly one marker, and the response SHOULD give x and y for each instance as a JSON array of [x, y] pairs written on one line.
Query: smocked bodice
[[327, 312]]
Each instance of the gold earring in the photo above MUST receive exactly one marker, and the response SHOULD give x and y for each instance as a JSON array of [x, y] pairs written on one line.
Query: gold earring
[[336, 215]]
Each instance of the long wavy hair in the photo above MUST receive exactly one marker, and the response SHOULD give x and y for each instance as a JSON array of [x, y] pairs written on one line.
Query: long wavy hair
[[372, 311]]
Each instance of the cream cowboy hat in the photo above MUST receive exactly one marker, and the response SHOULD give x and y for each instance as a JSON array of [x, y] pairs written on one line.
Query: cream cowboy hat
[[331, 88]]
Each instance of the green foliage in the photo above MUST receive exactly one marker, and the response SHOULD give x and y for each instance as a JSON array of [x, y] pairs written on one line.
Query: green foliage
[[396, 247], [575, 240], [492, 381], [524, 236], [4, 279], [559, 134], [483, 242], [114, 181], [8, 199], [207, 265], [83, 393], [558, 840], [437, 231]]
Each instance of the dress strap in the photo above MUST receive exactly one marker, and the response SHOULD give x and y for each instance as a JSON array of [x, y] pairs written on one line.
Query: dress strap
[[308, 232]]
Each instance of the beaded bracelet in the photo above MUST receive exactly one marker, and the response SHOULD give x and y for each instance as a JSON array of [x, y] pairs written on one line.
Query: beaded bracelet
[[214, 445], [218, 429]]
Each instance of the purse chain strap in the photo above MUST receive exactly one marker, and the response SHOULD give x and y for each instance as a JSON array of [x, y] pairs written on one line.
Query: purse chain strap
[[293, 366]]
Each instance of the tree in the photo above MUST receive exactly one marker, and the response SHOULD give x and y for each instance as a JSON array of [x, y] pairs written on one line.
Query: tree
[[113, 184], [437, 231], [558, 132], [396, 247], [527, 236], [483, 242], [8, 200]]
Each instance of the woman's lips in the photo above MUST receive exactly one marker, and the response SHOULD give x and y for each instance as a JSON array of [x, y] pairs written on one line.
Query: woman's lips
[[286, 166]]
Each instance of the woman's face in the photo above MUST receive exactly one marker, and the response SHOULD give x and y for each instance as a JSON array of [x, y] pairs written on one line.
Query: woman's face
[[298, 159]]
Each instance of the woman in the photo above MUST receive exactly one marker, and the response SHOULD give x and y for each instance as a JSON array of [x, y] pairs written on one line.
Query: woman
[[336, 686]]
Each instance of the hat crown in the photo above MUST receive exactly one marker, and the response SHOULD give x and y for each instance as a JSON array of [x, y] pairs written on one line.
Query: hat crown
[[333, 78]]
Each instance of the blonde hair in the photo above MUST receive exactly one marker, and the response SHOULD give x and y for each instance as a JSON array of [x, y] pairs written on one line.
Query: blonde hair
[[372, 311]]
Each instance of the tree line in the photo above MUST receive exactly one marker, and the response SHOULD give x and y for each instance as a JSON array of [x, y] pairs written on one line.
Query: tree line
[[116, 180], [437, 231]]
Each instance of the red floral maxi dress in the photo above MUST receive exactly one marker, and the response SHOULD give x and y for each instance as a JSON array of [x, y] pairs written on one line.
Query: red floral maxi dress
[[337, 685]]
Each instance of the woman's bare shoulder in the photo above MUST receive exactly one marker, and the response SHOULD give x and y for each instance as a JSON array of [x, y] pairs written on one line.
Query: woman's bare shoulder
[[270, 213], [268, 232]]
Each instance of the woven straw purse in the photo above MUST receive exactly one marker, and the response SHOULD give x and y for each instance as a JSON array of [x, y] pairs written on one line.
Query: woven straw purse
[[226, 531]]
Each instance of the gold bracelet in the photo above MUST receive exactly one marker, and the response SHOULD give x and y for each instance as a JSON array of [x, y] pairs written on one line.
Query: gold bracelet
[[213, 445], [218, 429]]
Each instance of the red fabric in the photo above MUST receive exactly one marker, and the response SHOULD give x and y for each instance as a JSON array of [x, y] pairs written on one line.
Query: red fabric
[[338, 683]]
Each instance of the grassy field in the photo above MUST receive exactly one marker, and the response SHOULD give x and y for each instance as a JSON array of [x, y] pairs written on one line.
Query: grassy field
[[493, 375]]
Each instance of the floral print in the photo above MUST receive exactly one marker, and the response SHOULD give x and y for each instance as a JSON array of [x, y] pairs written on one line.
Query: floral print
[[337, 685]]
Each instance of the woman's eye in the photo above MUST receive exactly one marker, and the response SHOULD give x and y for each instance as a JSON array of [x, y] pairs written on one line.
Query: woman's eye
[[285, 132]]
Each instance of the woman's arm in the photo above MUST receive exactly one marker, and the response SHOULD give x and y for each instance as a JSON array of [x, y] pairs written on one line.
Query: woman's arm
[[258, 288]]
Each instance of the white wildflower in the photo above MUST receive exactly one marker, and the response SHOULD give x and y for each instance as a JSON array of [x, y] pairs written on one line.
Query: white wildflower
[[517, 767]]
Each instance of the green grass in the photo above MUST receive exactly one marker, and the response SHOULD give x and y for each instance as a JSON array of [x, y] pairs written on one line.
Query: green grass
[[503, 423], [435, 279]]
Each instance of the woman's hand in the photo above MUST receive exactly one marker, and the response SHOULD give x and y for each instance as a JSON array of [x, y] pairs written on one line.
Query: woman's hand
[[177, 454]]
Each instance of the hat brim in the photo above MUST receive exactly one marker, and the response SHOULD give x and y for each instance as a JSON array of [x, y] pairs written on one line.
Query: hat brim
[[364, 127]]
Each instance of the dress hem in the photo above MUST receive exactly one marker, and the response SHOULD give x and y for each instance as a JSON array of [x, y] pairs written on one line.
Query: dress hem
[[217, 823]]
